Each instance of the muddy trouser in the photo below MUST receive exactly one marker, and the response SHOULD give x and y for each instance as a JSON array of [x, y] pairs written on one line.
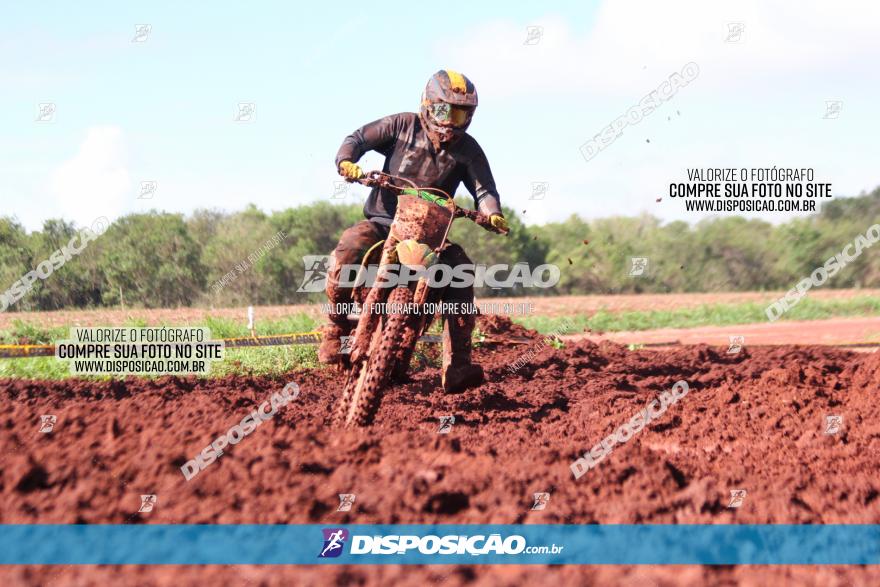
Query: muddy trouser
[[457, 327], [353, 245], [458, 324]]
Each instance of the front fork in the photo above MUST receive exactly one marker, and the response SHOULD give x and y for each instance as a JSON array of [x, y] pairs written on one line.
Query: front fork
[[370, 319], [417, 324]]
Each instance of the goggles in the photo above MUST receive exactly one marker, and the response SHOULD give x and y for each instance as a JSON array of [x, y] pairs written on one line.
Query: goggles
[[448, 115]]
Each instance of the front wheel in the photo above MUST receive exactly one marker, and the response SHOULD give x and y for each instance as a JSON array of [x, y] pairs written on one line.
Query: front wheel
[[368, 379]]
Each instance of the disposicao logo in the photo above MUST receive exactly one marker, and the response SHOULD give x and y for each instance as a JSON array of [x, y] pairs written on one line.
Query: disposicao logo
[[334, 540], [405, 544]]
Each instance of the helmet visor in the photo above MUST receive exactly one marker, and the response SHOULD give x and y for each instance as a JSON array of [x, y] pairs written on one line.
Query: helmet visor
[[446, 114]]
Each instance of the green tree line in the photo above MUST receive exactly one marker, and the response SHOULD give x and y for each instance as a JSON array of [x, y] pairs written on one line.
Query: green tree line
[[214, 258]]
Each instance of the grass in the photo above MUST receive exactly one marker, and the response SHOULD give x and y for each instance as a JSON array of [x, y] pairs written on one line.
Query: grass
[[283, 359], [225, 328], [273, 360], [26, 333], [35, 368]]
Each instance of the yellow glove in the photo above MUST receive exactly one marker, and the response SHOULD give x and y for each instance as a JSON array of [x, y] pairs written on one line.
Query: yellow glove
[[350, 170], [499, 222]]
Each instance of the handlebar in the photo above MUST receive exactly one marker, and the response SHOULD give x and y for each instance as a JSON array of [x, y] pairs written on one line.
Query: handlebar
[[378, 179], [385, 180]]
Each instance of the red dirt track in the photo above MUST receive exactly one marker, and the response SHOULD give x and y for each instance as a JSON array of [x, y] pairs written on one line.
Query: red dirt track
[[753, 421], [837, 331]]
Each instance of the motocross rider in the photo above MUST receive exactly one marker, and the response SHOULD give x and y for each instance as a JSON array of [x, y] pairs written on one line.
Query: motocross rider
[[431, 149]]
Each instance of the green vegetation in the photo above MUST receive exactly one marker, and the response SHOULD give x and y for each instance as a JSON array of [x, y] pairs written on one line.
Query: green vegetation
[[215, 258], [27, 333], [36, 368], [266, 361]]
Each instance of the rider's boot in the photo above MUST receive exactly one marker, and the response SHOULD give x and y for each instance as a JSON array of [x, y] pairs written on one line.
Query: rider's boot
[[459, 373], [330, 350], [353, 243]]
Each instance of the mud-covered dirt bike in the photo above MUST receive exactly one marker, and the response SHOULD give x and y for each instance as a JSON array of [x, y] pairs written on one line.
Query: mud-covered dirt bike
[[384, 341]]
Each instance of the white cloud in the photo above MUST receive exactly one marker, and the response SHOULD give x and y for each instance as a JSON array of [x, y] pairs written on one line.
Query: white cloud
[[630, 42], [95, 182], [756, 103]]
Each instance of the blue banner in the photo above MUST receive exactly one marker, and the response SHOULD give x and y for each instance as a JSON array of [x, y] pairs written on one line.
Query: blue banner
[[440, 544]]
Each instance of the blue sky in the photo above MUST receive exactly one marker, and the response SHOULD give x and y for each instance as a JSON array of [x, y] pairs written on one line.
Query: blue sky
[[163, 109]]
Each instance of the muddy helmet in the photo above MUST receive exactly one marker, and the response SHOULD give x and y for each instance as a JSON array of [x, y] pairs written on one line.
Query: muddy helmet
[[448, 105]]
